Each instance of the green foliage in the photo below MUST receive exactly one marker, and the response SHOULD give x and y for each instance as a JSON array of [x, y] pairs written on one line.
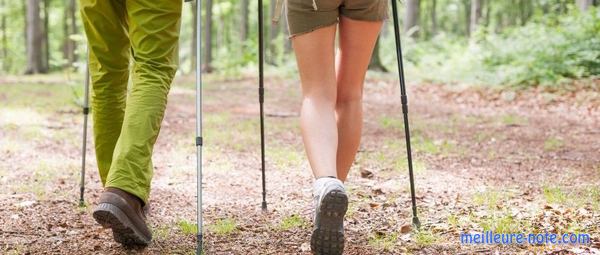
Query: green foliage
[[491, 198], [383, 241], [547, 51], [554, 195], [503, 223], [511, 119], [187, 227], [553, 144], [425, 237], [293, 221], [223, 226]]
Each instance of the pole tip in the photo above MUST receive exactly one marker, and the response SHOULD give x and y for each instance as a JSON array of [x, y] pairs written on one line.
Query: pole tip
[[199, 248], [81, 203], [416, 222], [264, 206]]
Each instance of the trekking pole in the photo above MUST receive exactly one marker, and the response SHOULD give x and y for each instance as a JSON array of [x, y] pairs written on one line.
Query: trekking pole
[[415, 219], [199, 142], [86, 110], [261, 99]]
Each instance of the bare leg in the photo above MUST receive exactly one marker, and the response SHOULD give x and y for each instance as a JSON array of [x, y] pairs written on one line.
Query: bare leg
[[315, 54], [357, 40]]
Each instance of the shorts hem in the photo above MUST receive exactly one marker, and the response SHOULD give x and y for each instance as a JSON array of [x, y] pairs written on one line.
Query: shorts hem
[[366, 19], [313, 29]]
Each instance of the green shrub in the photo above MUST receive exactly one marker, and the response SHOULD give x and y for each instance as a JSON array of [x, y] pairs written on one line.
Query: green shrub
[[547, 51]]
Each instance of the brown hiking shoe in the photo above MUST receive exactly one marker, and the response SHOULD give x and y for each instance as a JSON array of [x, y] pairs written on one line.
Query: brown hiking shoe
[[124, 214]]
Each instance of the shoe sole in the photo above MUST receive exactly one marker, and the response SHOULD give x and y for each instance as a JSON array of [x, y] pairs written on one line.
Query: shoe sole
[[124, 232], [328, 238]]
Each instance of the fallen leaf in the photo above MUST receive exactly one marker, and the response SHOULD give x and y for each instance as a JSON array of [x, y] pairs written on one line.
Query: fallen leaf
[[364, 173], [406, 228]]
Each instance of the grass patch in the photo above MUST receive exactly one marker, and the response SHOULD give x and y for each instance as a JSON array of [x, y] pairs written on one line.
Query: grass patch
[[425, 237], [469, 119], [482, 136], [554, 195], [594, 193], [514, 120], [290, 222], [422, 144], [284, 156], [163, 232], [453, 220], [383, 241], [553, 144], [49, 97], [504, 223], [387, 122], [352, 209], [187, 227], [489, 198], [418, 166], [223, 226]]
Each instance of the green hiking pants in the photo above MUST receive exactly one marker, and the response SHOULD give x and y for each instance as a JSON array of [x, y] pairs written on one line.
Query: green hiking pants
[[126, 125]]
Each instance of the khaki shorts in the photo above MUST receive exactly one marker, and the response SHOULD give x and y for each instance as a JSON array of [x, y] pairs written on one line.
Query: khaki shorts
[[308, 15]]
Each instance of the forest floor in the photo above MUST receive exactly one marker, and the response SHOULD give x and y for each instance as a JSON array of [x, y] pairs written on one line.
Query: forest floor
[[513, 161]]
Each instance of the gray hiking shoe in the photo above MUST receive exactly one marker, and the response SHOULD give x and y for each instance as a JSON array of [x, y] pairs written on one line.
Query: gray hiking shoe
[[331, 204]]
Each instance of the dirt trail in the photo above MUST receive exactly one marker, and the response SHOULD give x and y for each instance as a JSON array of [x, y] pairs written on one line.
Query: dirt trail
[[525, 161]]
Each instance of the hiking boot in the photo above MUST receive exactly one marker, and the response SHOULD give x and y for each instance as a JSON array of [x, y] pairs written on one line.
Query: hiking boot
[[331, 203], [124, 214]]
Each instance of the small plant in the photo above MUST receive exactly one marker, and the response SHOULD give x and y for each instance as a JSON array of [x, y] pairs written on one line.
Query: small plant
[[163, 232], [453, 220], [352, 208], [553, 144], [285, 156], [187, 228], [383, 241], [594, 193], [490, 198], [293, 221], [387, 122], [513, 120], [503, 223], [223, 226], [425, 237], [554, 195], [418, 166]]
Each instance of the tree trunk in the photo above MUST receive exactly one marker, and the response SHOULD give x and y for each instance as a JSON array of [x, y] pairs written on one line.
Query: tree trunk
[[34, 38], [273, 34], [194, 35], [411, 21], [475, 15], [45, 39], [467, 12], [433, 17], [375, 63], [65, 42], [244, 21], [488, 13], [72, 56], [284, 27], [4, 37], [208, 38], [584, 5]]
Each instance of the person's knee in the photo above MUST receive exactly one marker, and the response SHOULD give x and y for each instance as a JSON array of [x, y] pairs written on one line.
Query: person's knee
[[349, 98], [320, 93]]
